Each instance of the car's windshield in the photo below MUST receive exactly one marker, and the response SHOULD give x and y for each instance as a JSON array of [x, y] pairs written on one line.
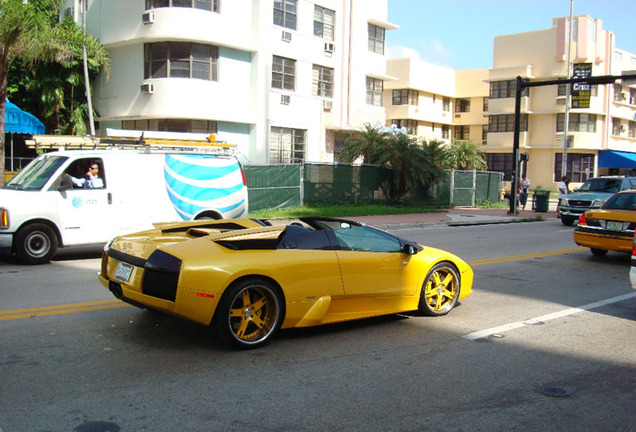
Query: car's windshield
[[601, 185], [624, 201], [37, 173]]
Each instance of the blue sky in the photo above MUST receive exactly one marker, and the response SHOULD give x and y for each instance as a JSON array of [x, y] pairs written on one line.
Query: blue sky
[[460, 33]]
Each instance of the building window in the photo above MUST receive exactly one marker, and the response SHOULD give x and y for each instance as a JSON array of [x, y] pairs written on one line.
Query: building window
[[580, 166], [506, 123], [485, 105], [286, 146], [578, 122], [376, 39], [500, 162], [632, 129], [484, 135], [283, 73], [211, 5], [446, 104], [616, 126], [618, 93], [505, 89], [462, 105], [322, 81], [285, 13], [632, 96], [181, 60], [405, 96], [410, 125], [172, 125], [462, 133], [375, 87], [324, 21], [445, 132]]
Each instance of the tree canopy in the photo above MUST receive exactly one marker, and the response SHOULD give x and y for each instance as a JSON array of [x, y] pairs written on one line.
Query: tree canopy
[[31, 35], [415, 163]]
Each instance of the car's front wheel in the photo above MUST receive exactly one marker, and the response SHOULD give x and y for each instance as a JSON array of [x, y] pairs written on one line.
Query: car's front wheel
[[440, 290], [567, 220], [248, 314]]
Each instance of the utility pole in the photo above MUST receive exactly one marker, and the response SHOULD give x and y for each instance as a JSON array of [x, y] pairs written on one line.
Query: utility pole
[[87, 83], [568, 97]]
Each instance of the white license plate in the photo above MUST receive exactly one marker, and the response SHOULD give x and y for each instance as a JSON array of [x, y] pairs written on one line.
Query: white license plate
[[123, 271], [614, 226]]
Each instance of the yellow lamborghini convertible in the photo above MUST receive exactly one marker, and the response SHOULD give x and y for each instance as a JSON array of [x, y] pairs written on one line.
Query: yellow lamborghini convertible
[[247, 278]]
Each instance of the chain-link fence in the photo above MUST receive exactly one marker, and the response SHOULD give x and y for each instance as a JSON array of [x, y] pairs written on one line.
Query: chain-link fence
[[281, 186]]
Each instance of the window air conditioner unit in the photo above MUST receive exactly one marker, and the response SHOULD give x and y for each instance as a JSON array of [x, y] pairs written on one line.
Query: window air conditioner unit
[[285, 99], [286, 36], [148, 17], [330, 47], [560, 101], [148, 88], [327, 104], [623, 96]]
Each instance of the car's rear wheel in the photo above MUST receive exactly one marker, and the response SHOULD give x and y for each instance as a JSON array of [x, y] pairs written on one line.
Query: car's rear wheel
[[35, 243], [249, 313], [598, 252], [440, 291], [567, 220]]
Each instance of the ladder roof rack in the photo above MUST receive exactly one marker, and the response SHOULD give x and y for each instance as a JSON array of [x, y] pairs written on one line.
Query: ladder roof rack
[[133, 140]]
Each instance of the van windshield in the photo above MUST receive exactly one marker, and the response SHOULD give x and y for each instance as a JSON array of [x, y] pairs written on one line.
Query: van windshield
[[37, 173]]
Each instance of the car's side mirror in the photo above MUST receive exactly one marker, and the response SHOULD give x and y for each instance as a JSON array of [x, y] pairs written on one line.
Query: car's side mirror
[[409, 249]]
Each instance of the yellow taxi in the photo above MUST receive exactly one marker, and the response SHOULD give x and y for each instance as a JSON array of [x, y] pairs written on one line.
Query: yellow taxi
[[610, 228]]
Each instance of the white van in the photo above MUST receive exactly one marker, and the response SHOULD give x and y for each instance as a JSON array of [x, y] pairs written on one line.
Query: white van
[[48, 204]]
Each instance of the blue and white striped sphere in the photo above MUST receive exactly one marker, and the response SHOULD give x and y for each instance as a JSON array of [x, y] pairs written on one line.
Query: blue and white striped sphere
[[199, 182]]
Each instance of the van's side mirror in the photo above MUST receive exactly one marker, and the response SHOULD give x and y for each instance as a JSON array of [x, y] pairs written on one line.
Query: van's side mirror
[[66, 183]]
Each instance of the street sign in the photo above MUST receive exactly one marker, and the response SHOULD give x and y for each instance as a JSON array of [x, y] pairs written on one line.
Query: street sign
[[581, 91]]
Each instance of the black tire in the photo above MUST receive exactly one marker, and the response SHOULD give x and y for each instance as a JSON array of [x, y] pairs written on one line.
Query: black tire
[[567, 220], [440, 290], [250, 312], [35, 243], [598, 252]]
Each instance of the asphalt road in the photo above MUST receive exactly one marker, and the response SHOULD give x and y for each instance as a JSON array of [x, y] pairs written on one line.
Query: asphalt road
[[544, 344]]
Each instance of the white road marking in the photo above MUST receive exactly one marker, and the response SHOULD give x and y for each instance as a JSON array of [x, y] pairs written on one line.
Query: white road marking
[[541, 319]]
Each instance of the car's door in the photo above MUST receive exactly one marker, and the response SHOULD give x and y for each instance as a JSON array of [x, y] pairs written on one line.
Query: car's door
[[374, 267]]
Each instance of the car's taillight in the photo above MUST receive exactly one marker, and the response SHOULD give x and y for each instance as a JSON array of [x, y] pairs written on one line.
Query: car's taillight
[[582, 220], [633, 248]]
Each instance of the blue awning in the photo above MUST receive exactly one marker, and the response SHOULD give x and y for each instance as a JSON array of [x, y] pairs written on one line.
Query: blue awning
[[18, 121], [616, 159]]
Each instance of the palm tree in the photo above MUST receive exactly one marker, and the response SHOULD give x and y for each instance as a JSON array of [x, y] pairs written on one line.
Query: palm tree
[[367, 144], [467, 156], [435, 162], [29, 31]]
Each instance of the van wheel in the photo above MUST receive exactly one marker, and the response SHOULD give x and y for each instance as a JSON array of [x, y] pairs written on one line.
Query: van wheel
[[35, 244]]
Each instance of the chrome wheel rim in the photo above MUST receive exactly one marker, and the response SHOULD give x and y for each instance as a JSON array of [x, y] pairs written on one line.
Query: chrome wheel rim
[[254, 314]]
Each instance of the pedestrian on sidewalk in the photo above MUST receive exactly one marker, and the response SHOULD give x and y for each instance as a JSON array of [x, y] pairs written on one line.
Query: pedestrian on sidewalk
[[523, 192], [563, 192]]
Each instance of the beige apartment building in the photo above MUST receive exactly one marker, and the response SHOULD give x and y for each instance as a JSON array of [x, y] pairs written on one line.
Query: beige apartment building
[[433, 102]]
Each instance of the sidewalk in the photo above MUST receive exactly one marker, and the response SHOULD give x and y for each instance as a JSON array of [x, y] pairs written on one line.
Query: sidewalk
[[458, 216]]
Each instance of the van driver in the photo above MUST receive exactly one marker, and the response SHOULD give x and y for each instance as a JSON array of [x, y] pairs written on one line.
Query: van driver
[[92, 180]]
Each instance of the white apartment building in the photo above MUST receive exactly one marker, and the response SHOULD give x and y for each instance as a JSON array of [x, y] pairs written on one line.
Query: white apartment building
[[285, 80]]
